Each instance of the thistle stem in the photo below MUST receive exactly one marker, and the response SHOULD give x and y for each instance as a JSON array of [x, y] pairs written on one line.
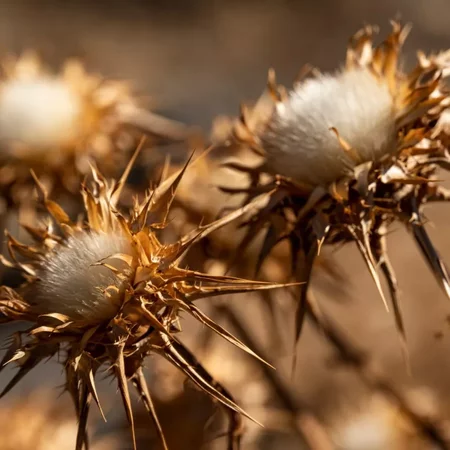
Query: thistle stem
[[308, 428], [153, 123], [235, 427], [357, 359], [3, 220]]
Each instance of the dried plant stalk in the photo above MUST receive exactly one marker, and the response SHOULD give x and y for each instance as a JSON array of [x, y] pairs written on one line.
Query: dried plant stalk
[[360, 361]]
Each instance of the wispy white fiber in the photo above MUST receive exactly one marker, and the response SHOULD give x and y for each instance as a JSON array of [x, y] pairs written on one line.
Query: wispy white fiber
[[71, 285], [299, 142]]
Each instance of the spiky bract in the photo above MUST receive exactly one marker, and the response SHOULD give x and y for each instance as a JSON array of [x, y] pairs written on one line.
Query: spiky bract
[[120, 295], [376, 166]]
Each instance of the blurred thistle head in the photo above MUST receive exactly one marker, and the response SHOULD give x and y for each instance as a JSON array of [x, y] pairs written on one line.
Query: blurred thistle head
[[57, 123], [107, 292], [378, 424], [349, 153]]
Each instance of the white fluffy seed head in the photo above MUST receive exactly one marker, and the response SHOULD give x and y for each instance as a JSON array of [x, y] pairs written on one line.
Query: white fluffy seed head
[[42, 113], [299, 142], [69, 282]]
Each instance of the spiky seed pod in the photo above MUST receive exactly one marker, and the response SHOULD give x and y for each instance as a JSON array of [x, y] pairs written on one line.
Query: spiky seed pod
[[107, 292], [57, 123], [329, 123], [349, 153]]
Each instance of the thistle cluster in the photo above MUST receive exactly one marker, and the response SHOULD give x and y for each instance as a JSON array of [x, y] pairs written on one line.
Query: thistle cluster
[[105, 291], [338, 158]]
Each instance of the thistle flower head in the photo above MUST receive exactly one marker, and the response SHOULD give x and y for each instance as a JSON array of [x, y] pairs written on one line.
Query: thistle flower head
[[71, 282], [107, 291], [56, 124], [40, 113], [70, 111], [300, 141], [348, 154], [328, 124]]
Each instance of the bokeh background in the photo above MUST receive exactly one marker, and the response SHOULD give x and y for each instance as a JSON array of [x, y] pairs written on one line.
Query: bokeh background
[[194, 60]]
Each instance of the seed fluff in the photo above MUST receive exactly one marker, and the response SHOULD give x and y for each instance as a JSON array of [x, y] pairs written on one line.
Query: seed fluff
[[73, 283], [300, 142]]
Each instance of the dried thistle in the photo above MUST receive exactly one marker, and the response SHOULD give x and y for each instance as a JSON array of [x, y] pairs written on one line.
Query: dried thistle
[[58, 123], [200, 200], [107, 292], [349, 153]]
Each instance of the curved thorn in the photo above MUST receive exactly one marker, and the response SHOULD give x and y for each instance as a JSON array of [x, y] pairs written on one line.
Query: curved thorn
[[84, 402], [140, 384], [123, 388]]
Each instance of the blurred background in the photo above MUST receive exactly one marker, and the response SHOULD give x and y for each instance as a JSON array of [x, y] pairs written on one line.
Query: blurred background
[[192, 61]]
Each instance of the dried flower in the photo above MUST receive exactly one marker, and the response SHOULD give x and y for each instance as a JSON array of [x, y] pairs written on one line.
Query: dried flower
[[108, 292], [299, 140], [58, 123], [330, 123], [349, 153]]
